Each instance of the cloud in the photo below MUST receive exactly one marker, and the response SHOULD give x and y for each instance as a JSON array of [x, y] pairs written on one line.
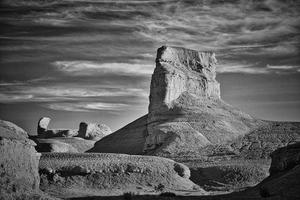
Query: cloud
[[89, 68], [87, 107], [123, 28], [8, 98], [247, 68], [240, 68], [28, 92], [283, 68], [105, 50]]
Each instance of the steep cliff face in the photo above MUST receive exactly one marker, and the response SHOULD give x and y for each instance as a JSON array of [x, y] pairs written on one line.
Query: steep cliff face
[[180, 70], [18, 162], [186, 112]]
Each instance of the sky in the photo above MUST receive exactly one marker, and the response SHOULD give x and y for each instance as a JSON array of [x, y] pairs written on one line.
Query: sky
[[92, 60]]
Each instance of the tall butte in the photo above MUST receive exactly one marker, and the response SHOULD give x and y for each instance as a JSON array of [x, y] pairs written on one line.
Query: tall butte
[[185, 112]]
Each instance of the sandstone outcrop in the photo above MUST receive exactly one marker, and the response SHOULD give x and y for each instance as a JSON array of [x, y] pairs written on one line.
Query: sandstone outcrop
[[93, 131], [102, 174], [18, 163], [44, 132], [68, 140], [188, 121], [186, 112], [285, 158], [180, 70], [43, 125], [284, 179]]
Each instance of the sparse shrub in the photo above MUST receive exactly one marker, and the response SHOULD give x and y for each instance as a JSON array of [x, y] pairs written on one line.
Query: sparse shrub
[[160, 187], [128, 195], [167, 194]]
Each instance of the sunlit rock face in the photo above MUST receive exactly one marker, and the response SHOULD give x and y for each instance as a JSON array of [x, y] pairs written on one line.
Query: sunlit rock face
[[180, 70], [43, 125], [18, 162], [93, 131], [186, 112]]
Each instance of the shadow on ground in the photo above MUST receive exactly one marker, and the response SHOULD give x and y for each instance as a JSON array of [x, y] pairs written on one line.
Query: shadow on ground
[[171, 196]]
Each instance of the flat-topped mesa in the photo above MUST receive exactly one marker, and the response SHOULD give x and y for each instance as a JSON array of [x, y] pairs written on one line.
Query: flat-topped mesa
[[180, 70], [185, 114]]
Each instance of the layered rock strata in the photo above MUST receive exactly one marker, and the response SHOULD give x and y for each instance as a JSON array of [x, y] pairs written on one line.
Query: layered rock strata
[[180, 70]]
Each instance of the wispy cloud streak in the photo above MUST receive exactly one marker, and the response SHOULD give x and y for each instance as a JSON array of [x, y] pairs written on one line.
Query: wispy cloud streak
[[88, 68], [103, 51]]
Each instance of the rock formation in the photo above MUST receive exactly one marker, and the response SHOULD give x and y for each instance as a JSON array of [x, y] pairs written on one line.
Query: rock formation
[[18, 164], [44, 132], [19, 160], [43, 125], [284, 179], [187, 120], [180, 70], [81, 173], [285, 158], [68, 140], [185, 110], [93, 131]]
